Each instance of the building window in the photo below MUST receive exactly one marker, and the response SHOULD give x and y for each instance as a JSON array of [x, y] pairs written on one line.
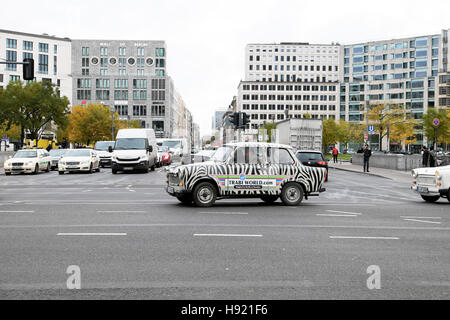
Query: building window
[[158, 111], [14, 78], [28, 45], [103, 51], [159, 52], [122, 51], [140, 52], [55, 49], [121, 110], [43, 47], [43, 63], [11, 43], [139, 110], [85, 51], [55, 65], [11, 56]]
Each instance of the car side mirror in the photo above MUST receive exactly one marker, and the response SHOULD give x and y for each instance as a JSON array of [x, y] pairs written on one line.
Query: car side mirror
[[110, 149], [150, 148]]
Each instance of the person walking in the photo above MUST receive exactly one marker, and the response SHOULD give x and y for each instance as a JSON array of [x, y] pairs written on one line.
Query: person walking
[[432, 157], [367, 153], [425, 156], [335, 155]]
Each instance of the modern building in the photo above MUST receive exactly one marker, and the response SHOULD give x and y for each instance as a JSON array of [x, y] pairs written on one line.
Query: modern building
[[217, 119], [51, 54], [412, 72], [288, 80]]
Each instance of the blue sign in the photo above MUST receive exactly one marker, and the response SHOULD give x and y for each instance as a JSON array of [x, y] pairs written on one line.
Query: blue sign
[[242, 177], [371, 129], [436, 122]]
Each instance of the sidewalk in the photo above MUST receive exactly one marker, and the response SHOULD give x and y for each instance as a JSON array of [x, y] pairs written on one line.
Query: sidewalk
[[396, 175]]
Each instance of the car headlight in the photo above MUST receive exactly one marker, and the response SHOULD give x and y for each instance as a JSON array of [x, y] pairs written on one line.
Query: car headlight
[[438, 176]]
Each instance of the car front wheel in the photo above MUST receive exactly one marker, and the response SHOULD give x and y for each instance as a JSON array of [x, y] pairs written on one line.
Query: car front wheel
[[204, 194], [292, 194], [36, 169], [430, 198]]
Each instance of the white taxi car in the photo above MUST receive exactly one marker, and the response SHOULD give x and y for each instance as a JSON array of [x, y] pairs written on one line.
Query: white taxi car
[[79, 160], [28, 160], [432, 183]]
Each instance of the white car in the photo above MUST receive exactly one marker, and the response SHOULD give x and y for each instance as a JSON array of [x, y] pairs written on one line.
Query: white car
[[79, 160], [432, 183], [101, 147], [28, 160]]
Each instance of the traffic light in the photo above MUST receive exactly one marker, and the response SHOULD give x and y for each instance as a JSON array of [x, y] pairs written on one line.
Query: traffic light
[[28, 69], [245, 119], [234, 118]]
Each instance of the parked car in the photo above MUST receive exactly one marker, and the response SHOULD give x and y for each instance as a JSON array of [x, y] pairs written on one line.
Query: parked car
[[101, 147], [56, 154], [164, 156], [79, 160], [313, 159], [202, 156], [432, 183], [29, 160], [246, 170]]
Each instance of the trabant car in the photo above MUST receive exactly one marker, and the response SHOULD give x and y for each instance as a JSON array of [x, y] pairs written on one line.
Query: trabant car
[[432, 183], [246, 170]]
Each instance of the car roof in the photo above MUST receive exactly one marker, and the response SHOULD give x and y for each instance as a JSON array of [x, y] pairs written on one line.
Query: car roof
[[258, 144], [308, 151]]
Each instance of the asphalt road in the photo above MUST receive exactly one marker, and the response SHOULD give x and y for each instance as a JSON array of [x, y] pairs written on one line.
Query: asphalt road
[[133, 241]]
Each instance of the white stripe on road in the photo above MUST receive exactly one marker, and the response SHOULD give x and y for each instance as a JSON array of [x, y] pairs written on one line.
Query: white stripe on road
[[90, 234], [424, 221], [335, 215], [355, 237], [225, 235], [11, 211], [222, 212], [413, 217], [121, 211], [357, 213]]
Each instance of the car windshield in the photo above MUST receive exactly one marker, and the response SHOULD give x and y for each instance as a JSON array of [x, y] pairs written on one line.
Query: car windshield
[[163, 148], [172, 144], [25, 154], [207, 153], [222, 154], [130, 144], [57, 152], [103, 145], [308, 156], [77, 153]]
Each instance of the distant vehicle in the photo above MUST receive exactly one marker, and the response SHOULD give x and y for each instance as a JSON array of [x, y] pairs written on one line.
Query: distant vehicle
[[79, 160], [102, 149], [134, 149], [45, 139], [56, 154], [301, 134], [179, 147], [202, 156], [432, 183], [164, 156], [246, 170], [313, 158], [26, 160]]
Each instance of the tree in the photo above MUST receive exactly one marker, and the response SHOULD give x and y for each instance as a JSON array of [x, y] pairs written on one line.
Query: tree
[[33, 106], [350, 132], [330, 133], [269, 126], [392, 119], [13, 132], [91, 123], [443, 128]]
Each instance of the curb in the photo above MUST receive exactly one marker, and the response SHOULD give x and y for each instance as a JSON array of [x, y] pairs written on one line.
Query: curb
[[365, 173]]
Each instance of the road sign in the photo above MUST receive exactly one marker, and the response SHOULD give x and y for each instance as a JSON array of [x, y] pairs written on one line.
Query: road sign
[[366, 136], [371, 129], [436, 122]]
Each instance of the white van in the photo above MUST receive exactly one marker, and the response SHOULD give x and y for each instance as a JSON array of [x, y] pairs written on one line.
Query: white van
[[179, 147], [134, 149]]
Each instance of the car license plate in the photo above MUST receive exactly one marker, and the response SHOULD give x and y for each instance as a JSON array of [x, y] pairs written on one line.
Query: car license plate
[[422, 189], [170, 189], [71, 167], [128, 168]]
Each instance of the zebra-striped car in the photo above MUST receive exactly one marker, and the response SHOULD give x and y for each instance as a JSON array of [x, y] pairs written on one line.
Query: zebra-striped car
[[246, 170]]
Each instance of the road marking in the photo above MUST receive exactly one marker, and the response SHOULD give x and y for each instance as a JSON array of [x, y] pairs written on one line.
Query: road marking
[[424, 221], [11, 211], [90, 234], [220, 212], [225, 235], [371, 238], [412, 217], [357, 213], [135, 211], [335, 215]]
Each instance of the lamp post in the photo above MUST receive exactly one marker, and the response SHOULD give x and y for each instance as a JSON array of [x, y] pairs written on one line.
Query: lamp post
[[112, 121]]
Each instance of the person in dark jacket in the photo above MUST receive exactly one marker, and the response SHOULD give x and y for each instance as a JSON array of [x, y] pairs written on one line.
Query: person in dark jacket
[[425, 156], [432, 157], [367, 153]]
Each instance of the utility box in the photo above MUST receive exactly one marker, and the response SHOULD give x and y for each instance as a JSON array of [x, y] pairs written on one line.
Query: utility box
[[301, 134]]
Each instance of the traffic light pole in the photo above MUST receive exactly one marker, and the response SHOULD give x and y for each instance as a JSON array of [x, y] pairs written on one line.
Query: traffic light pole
[[28, 69]]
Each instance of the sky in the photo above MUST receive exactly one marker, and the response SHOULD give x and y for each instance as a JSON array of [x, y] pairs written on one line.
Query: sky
[[206, 39]]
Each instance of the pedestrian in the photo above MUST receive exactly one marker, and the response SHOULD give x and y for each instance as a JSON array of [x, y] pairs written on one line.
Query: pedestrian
[[432, 157], [335, 155], [367, 153], [425, 156]]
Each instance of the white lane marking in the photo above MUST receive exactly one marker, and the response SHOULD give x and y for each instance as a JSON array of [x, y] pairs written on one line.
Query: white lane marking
[[225, 235], [335, 215], [371, 238], [131, 190], [133, 211], [90, 234], [424, 221], [413, 217], [345, 212], [222, 212], [18, 211]]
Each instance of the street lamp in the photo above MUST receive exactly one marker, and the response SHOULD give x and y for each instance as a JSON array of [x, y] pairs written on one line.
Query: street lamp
[[112, 121]]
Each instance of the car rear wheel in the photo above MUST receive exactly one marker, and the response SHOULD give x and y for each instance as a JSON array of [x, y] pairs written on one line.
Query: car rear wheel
[[326, 176], [292, 194], [269, 198], [153, 168], [448, 195], [36, 169], [430, 198], [186, 199], [204, 194], [91, 168], [7, 173]]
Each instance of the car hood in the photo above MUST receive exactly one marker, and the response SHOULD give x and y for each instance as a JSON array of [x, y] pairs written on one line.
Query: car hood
[[103, 153], [129, 154], [431, 171], [21, 160], [75, 159]]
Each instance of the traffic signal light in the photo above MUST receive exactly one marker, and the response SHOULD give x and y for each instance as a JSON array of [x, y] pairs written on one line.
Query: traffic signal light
[[245, 119], [28, 69], [234, 118]]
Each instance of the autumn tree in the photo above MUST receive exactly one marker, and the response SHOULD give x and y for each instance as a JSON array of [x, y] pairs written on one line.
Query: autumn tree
[[444, 125], [350, 132], [330, 133]]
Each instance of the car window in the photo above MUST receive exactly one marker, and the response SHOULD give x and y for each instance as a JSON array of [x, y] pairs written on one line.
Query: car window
[[279, 156], [249, 155], [308, 156]]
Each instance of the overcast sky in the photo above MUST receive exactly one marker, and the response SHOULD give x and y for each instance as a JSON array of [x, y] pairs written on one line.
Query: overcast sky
[[206, 38]]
